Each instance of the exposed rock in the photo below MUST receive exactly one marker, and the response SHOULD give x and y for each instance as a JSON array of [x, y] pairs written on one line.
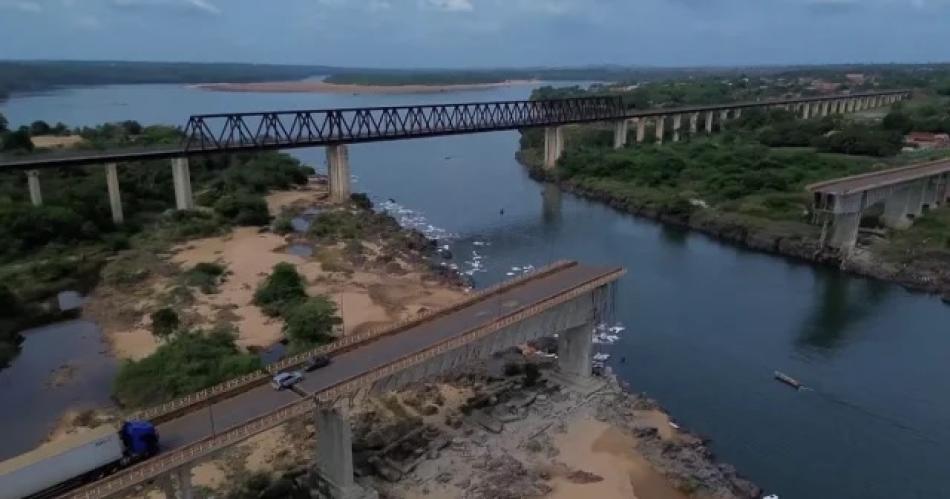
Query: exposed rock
[[583, 477]]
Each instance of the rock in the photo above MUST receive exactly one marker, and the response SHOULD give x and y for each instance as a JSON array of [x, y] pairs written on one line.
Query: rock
[[485, 421], [464, 484], [429, 410], [444, 477], [583, 477], [433, 454]]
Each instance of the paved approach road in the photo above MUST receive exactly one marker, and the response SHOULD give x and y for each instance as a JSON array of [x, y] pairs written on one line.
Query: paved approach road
[[258, 401]]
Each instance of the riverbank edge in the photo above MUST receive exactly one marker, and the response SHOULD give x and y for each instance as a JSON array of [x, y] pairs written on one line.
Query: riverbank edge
[[769, 239]]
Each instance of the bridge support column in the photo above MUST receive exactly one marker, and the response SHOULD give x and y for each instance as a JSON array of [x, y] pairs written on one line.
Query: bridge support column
[[641, 130], [723, 116], [181, 177], [177, 484], [847, 212], [709, 121], [915, 200], [693, 123], [806, 111], [737, 113], [574, 350], [335, 454], [620, 134], [660, 122], [677, 124], [338, 172], [33, 183], [895, 209], [553, 146], [115, 197], [825, 107]]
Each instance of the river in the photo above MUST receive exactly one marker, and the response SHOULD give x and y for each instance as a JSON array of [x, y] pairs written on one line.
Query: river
[[707, 323]]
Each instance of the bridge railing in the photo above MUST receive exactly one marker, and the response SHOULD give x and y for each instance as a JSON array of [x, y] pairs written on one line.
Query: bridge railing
[[165, 463], [236, 131]]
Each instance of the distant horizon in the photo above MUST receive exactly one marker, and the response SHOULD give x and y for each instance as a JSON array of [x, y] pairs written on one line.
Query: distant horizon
[[600, 66]]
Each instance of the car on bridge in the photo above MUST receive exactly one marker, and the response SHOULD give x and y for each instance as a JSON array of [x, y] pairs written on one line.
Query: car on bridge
[[286, 380], [316, 362]]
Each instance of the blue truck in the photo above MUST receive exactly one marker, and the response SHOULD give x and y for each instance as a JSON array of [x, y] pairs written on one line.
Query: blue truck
[[57, 467]]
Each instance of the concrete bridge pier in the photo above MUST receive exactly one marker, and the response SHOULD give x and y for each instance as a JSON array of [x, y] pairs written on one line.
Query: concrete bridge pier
[[177, 484], [115, 197], [723, 116], [709, 121], [641, 130], [575, 350], [338, 172], [895, 209], [846, 221], [737, 113], [806, 111], [335, 454], [33, 183], [620, 134], [181, 177], [660, 125], [693, 123], [677, 124]]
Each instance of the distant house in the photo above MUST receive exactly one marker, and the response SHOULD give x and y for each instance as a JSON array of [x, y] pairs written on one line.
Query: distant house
[[857, 78], [927, 140]]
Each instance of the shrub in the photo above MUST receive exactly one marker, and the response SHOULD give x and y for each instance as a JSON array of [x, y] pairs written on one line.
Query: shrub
[[18, 141], [311, 323], [243, 209], [189, 362], [361, 201], [283, 225], [205, 276], [281, 290], [165, 322]]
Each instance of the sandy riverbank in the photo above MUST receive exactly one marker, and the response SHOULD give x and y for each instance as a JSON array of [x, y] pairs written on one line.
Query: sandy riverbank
[[314, 86], [365, 295]]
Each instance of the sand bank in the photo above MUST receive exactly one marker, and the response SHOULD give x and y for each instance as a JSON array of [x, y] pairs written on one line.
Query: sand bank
[[313, 86]]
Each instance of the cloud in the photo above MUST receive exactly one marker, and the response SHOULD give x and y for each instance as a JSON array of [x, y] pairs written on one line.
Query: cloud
[[452, 5], [23, 6], [199, 6]]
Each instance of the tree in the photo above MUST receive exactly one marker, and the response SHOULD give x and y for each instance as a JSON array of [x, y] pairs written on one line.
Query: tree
[[281, 290], [165, 323], [39, 127], [311, 323], [3, 123], [899, 121], [18, 141]]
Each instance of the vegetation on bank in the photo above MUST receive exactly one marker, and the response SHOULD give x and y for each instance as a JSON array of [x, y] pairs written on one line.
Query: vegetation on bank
[[189, 361], [65, 243], [308, 321]]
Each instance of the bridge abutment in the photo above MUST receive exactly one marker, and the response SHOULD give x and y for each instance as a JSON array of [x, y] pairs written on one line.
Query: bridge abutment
[[553, 146], [338, 172], [181, 177], [575, 349], [115, 197], [620, 134], [33, 183]]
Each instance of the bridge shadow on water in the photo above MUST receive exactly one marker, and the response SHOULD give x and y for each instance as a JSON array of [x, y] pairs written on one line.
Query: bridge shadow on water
[[840, 304]]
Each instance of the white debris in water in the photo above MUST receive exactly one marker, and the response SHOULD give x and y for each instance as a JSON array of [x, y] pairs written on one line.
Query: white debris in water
[[608, 335], [480, 243], [601, 356], [509, 274], [412, 219]]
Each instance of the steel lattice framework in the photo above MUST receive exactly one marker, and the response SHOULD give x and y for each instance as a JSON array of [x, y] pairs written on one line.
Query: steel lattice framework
[[283, 129]]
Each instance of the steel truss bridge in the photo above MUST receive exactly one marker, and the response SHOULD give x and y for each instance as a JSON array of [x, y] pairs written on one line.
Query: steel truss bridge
[[270, 130]]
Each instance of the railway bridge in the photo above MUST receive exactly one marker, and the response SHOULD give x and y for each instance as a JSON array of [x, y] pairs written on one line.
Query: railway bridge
[[564, 298], [336, 129]]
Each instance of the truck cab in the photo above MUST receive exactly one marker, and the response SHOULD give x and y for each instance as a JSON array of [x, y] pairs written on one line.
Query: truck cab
[[140, 439]]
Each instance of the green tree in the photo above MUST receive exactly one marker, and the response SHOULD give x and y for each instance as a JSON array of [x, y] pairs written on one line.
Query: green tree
[[281, 290], [898, 121], [39, 127], [3, 123], [311, 323], [165, 323], [18, 141]]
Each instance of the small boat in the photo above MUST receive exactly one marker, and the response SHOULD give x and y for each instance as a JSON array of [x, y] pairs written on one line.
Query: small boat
[[788, 380]]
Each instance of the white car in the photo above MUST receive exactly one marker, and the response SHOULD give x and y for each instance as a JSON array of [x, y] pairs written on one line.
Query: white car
[[286, 380]]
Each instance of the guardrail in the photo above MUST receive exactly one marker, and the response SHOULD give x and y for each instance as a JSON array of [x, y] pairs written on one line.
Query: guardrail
[[236, 386], [818, 186], [162, 464]]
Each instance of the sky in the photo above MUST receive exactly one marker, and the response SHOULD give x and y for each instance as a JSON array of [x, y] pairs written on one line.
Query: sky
[[479, 33]]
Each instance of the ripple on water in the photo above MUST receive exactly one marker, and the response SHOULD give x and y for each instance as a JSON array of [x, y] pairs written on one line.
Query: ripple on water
[[35, 395]]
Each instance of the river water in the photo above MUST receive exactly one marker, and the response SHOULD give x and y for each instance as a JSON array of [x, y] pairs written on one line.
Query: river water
[[706, 323]]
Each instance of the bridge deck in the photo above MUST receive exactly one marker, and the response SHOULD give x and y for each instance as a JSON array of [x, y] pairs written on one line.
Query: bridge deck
[[258, 401], [884, 178]]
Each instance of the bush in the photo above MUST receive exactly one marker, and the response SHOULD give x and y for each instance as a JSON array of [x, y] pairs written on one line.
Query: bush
[[18, 141], [310, 323], [165, 322], [191, 361], [39, 127], [243, 209], [283, 225], [361, 201], [283, 289], [205, 276]]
